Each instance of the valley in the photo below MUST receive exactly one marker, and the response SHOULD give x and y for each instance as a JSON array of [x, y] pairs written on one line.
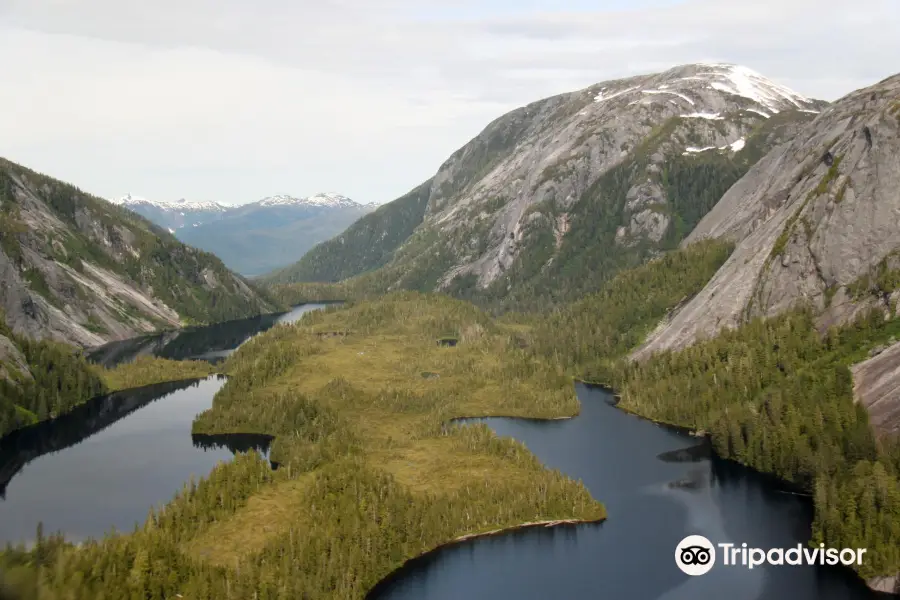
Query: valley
[[709, 251], [258, 237]]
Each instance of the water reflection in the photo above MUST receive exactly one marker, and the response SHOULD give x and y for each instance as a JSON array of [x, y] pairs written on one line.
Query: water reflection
[[659, 485], [234, 442], [106, 463], [213, 342]]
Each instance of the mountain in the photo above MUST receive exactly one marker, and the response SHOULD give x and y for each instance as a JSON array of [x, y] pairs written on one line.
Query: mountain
[[365, 245], [258, 237], [80, 270], [173, 215], [553, 198], [815, 221]]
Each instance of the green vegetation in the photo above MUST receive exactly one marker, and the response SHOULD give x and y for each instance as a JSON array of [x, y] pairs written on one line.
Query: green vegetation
[[292, 294], [369, 474], [549, 270], [777, 396], [589, 335], [365, 245], [56, 380], [193, 283], [147, 370], [823, 186], [881, 281]]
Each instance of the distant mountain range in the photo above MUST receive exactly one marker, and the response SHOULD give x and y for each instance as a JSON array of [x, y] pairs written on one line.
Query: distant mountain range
[[253, 238]]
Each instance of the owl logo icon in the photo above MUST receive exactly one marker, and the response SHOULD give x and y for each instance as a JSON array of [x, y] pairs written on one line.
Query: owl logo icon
[[695, 555]]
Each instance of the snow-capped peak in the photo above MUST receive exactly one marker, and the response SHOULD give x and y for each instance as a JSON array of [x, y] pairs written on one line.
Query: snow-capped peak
[[701, 85], [743, 81], [329, 199], [180, 205]]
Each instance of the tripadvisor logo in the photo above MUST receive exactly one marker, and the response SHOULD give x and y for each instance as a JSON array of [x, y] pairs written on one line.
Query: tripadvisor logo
[[696, 555]]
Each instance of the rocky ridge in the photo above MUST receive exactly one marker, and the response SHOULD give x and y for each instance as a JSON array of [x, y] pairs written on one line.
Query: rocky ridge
[[513, 206], [80, 270], [815, 222]]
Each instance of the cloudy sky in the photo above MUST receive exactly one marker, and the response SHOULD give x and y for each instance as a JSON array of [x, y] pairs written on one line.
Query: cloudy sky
[[232, 100]]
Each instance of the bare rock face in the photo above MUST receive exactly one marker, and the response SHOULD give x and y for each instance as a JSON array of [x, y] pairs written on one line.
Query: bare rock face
[[810, 219], [597, 168], [876, 384], [76, 269], [12, 358], [547, 155]]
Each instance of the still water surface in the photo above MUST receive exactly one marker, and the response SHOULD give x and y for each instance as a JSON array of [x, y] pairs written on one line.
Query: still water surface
[[213, 342], [654, 499], [106, 463], [109, 461]]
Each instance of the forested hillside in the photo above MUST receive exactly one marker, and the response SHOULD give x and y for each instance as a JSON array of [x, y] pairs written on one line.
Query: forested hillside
[[40, 379], [367, 244], [78, 269], [777, 396]]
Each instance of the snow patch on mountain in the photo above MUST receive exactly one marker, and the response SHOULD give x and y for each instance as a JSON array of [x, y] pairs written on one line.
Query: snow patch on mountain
[[700, 115], [735, 146], [181, 205], [601, 98], [763, 114], [738, 145], [327, 199], [745, 82], [682, 96]]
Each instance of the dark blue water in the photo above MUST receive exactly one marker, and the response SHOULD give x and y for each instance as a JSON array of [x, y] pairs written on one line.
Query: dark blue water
[[213, 342], [111, 476], [106, 463], [653, 503]]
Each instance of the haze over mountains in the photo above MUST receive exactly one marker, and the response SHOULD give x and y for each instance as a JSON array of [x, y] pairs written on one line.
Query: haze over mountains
[[257, 237]]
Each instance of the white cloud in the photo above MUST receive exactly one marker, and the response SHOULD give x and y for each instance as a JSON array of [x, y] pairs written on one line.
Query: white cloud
[[230, 100]]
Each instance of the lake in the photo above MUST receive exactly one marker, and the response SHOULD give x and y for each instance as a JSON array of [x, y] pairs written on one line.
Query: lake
[[212, 342], [106, 463], [654, 499]]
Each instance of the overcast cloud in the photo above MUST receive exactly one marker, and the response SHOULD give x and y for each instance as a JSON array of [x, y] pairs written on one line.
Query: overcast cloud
[[232, 100]]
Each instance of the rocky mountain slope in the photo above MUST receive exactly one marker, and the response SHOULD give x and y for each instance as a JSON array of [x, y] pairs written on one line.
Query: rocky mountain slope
[[262, 236], [173, 215], [77, 269], [815, 221], [367, 244], [258, 237], [553, 198]]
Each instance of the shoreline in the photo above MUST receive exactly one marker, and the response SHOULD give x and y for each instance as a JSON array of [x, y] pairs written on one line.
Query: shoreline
[[390, 577], [512, 528], [55, 418], [879, 584]]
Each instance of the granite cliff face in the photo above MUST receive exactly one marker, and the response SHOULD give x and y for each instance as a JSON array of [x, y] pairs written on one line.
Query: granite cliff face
[[581, 184], [815, 221], [77, 269]]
